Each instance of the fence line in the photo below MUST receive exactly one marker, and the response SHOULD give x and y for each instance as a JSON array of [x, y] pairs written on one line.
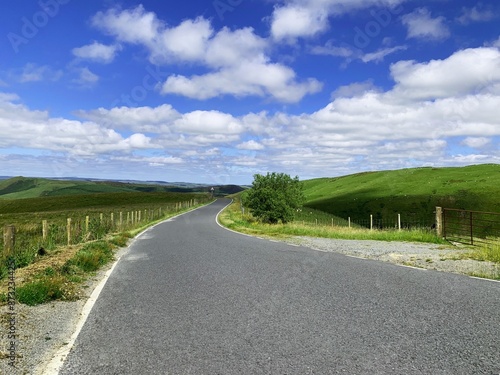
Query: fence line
[[371, 223], [78, 229]]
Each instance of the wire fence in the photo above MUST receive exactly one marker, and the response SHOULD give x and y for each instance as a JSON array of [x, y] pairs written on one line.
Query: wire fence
[[25, 239], [371, 222]]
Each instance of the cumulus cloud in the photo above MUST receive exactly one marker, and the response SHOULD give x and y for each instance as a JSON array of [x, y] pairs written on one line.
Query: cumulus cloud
[[97, 52], [139, 119], [478, 69], [36, 73], [421, 25], [294, 21], [38, 130], [476, 142], [85, 78], [306, 18], [237, 60], [476, 14]]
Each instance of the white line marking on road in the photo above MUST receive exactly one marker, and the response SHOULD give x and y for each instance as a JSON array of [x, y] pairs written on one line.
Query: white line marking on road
[[415, 268], [484, 279], [355, 256]]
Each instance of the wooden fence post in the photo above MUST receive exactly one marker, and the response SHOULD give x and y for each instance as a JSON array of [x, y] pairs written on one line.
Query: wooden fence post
[[101, 218], [371, 222], [68, 230], [349, 221], [45, 230], [399, 221], [87, 222], [439, 221], [9, 240], [121, 219]]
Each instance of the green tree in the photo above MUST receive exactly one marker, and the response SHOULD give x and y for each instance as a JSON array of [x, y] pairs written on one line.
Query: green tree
[[274, 197]]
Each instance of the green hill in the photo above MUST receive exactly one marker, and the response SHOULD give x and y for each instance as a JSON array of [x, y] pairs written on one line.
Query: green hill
[[23, 188], [414, 193], [118, 200]]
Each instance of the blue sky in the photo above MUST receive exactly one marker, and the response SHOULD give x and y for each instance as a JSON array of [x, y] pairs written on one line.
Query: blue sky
[[216, 91]]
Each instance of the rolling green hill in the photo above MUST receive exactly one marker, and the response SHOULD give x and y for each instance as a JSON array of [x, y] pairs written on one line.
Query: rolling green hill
[[115, 200], [23, 188], [414, 193]]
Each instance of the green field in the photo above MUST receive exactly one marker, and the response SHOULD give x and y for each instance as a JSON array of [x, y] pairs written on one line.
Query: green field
[[413, 193]]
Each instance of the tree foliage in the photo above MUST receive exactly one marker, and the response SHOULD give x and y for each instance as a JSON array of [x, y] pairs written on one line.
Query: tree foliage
[[275, 197]]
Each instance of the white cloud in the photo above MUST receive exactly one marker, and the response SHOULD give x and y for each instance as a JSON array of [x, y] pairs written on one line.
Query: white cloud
[[37, 130], [244, 79], [208, 122], [379, 55], [478, 69], [156, 161], [34, 73], [475, 14], [351, 54], [251, 145], [97, 52], [307, 18], [420, 24], [354, 89], [86, 78], [294, 21], [476, 142], [132, 26], [496, 43], [236, 59], [140, 119]]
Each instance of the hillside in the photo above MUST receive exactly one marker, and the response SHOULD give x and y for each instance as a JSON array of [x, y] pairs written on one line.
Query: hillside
[[23, 188], [414, 193]]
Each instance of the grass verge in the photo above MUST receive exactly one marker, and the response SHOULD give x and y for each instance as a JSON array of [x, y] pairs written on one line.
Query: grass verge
[[233, 218]]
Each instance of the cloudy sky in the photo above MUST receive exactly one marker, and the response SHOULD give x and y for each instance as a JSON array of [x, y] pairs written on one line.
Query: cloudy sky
[[217, 90]]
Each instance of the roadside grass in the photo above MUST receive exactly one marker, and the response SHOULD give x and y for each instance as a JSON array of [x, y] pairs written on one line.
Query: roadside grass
[[233, 218], [484, 253], [64, 281]]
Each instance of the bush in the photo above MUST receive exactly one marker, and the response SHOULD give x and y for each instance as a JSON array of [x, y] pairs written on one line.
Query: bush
[[275, 197]]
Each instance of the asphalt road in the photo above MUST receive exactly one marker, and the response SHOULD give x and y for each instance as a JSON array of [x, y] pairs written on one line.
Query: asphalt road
[[190, 297]]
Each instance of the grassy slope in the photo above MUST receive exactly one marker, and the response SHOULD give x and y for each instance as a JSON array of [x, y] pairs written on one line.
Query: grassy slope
[[412, 192], [21, 187], [88, 201]]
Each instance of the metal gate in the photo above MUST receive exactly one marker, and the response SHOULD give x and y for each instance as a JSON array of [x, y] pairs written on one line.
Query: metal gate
[[471, 227]]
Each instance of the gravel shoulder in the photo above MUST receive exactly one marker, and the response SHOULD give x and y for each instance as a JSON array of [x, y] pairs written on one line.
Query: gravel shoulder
[[44, 329], [420, 255]]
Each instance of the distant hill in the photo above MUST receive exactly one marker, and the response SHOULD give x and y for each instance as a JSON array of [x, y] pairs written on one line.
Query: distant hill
[[25, 187], [414, 193]]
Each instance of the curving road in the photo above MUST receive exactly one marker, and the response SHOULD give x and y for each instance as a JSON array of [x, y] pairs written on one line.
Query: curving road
[[190, 297]]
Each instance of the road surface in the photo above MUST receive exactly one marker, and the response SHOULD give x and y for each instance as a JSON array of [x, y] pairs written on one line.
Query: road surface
[[190, 297]]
